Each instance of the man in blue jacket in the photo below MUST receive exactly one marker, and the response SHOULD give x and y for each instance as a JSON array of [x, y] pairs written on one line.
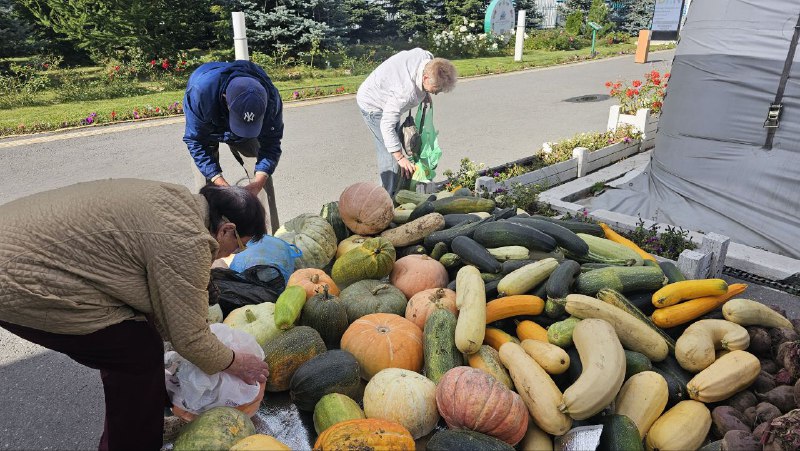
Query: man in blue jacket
[[236, 104]]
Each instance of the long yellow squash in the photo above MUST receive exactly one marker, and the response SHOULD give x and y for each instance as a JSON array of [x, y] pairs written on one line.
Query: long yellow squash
[[678, 314], [675, 292], [508, 306], [617, 238], [471, 303]]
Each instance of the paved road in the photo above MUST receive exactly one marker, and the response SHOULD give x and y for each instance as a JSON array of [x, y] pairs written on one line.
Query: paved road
[[49, 402]]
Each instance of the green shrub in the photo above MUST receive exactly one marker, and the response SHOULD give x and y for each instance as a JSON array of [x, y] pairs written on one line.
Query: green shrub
[[574, 25], [555, 40]]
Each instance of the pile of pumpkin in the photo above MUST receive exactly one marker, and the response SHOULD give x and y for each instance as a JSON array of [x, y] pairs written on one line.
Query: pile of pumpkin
[[576, 344]]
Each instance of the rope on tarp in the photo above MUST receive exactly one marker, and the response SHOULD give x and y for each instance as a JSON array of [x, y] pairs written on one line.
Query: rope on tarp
[[792, 287]]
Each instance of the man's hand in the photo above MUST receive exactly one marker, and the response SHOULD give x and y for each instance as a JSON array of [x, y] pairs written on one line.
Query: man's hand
[[258, 183], [407, 168], [249, 368], [220, 181]]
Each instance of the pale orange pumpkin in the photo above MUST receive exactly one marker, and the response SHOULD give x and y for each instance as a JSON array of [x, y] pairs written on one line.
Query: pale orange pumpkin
[[464, 395], [405, 397], [366, 208], [313, 280], [422, 304], [367, 433], [415, 273], [384, 340]]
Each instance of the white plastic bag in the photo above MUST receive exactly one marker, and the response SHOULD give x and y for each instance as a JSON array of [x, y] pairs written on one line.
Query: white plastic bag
[[195, 391]]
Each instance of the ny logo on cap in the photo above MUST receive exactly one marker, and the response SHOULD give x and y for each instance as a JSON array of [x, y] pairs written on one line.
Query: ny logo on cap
[[249, 116]]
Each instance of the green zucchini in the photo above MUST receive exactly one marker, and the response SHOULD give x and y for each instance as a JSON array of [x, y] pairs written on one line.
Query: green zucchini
[[504, 213], [463, 204], [330, 212], [671, 271], [439, 345], [576, 226], [560, 333], [463, 192], [602, 250], [473, 253], [558, 254], [512, 265], [488, 277], [411, 250], [558, 287], [422, 209], [586, 267], [455, 219], [676, 378], [565, 238], [617, 299], [620, 278], [447, 235], [505, 233], [636, 362], [405, 196], [439, 249], [450, 260], [619, 433]]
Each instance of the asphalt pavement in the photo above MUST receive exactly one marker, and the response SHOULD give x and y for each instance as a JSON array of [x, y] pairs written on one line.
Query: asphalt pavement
[[50, 402]]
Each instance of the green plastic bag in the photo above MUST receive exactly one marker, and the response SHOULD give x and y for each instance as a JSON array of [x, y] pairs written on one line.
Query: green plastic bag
[[428, 158]]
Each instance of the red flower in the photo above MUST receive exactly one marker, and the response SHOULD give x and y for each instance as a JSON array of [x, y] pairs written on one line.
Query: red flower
[[629, 92], [608, 84], [666, 75], [152, 63], [636, 92], [165, 64], [116, 68], [617, 85], [657, 104], [637, 83]]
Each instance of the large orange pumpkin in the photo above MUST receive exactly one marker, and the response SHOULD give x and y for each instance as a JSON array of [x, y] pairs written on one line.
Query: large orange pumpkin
[[384, 340], [366, 208], [365, 434], [422, 304], [312, 280], [464, 395], [414, 273]]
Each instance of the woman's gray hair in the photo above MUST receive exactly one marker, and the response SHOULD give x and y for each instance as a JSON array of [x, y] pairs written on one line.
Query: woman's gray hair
[[442, 74]]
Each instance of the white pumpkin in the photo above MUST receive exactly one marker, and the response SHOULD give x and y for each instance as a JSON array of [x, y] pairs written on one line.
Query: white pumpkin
[[257, 320], [315, 238], [405, 397]]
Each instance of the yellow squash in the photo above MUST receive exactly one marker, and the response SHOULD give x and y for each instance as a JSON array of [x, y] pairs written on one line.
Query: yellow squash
[[676, 292]]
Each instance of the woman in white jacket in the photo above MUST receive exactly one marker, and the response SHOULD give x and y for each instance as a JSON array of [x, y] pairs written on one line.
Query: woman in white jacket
[[395, 87]]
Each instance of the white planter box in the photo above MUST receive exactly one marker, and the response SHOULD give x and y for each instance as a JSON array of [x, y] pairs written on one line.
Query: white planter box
[[643, 121], [582, 163]]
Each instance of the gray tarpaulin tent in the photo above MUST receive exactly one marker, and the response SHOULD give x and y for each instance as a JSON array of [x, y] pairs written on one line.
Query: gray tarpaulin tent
[[713, 168]]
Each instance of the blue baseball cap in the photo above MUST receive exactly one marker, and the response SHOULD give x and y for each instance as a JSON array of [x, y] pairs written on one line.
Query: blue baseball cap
[[247, 103]]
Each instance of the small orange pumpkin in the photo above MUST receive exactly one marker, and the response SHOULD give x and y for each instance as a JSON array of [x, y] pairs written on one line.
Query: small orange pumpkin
[[368, 433], [366, 208], [422, 304], [384, 340], [312, 280], [414, 273]]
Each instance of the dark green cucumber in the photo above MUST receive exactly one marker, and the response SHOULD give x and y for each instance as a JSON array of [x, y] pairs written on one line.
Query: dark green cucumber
[[472, 253], [540, 290], [504, 213], [565, 238], [450, 260], [558, 287], [671, 271], [512, 265], [447, 235], [488, 277], [455, 219], [620, 278], [411, 250], [636, 362], [421, 210], [619, 433], [506, 233], [439, 249], [439, 346], [574, 225], [676, 378], [617, 299], [405, 196], [463, 204]]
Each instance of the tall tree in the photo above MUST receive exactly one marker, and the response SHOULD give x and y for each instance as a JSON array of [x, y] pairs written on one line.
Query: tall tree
[[366, 21], [533, 17], [15, 32], [119, 27], [411, 17], [285, 26], [473, 10], [632, 16]]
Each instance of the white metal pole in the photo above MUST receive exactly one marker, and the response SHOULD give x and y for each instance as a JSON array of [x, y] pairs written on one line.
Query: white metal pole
[[239, 36], [520, 36]]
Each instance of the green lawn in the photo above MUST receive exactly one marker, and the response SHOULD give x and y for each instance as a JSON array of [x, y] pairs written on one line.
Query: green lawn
[[59, 115]]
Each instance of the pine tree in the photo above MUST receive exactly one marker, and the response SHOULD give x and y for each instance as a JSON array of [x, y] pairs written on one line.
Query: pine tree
[[533, 17], [14, 31], [411, 17], [456, 10], [632, 16], [285, 27], [366, 21]]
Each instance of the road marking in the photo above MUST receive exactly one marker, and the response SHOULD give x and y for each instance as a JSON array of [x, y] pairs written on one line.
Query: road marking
[[59, 135]]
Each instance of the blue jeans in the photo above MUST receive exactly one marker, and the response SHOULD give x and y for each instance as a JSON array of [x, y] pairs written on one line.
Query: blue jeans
[[388, 169]]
